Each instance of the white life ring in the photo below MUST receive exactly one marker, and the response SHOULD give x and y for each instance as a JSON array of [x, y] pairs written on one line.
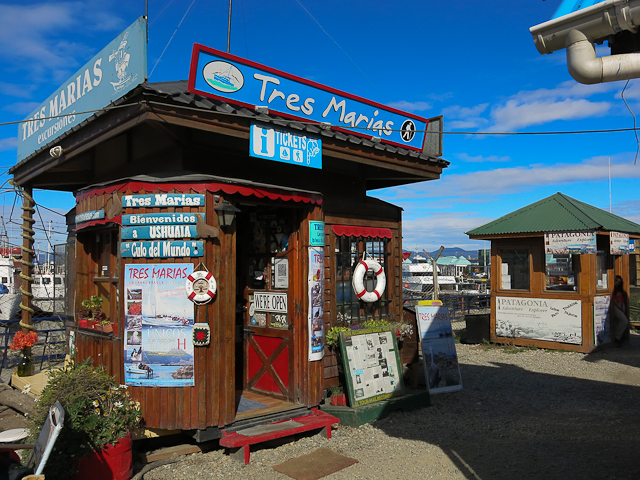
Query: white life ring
[[201, 286], [358, 281]]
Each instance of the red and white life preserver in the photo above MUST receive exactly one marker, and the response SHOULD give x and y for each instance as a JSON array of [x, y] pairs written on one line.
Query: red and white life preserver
[[201, 286], [358, 281]]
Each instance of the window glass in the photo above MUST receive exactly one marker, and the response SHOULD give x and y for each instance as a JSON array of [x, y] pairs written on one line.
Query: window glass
[[514, 273], [602, 263], [349, 251], [560, 271]]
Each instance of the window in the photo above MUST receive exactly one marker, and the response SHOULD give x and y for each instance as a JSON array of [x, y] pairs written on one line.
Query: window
[[349, 251], [602, 266], [514, 273], [560, 271]]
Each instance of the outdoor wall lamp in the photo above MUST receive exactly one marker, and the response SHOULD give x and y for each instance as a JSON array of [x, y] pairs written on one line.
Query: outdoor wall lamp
[[226, 213]]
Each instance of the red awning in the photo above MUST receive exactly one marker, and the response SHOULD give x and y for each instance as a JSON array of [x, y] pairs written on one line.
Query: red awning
[[353, 231], [103, 221], [228, 188]]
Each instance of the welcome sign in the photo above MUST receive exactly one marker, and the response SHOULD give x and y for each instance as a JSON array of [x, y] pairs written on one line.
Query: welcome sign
[[248, 84]]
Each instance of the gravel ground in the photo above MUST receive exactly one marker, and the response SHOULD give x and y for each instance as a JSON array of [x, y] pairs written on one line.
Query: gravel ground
[[528, 414]]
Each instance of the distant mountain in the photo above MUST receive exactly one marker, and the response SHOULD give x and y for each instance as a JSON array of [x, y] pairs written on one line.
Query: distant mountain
[[449, 252]]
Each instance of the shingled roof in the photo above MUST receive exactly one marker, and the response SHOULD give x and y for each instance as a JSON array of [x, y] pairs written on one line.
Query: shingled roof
[[557, 213]]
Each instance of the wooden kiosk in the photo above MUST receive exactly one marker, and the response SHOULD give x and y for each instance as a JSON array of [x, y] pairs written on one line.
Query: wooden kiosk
[[553, 265], [167, 186]]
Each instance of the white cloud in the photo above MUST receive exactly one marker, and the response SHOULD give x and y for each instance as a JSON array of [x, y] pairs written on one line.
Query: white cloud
[[8, 143], [21, 108], [480, 159], [17, 91], [515, 115], [440, 229], [410, 106], [502, 181], [35, 37]]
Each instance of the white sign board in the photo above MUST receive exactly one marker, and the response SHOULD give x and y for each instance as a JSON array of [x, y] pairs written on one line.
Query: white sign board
[[270, 302], [562, 243], [547, 319], [439, 356], [619, 243], [601, 324]]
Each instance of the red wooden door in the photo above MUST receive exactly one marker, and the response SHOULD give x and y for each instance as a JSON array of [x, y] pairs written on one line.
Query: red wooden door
[[267, 264]]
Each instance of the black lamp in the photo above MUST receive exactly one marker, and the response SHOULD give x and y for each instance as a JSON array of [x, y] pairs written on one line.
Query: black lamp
[[226, 213]]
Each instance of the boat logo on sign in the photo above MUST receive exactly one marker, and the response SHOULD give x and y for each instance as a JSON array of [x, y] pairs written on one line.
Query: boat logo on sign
[[223, 76]]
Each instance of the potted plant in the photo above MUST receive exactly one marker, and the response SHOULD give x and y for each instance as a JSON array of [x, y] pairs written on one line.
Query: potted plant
[[91, 315], [338, 397], [24, 342], [99, 418]]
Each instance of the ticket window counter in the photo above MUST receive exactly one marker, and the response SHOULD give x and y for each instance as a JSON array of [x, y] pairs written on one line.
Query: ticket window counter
[[561, 272]]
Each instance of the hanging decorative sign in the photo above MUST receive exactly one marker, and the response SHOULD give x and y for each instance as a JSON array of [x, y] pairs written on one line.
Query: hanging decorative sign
[[233, 79], [619, 243], [166, 249], [201, 287], [562, 243], [159, 231], [161, 218], [201, 335], [316, 234], [284, 146], [163, 200], [270, 302], [89, 216]]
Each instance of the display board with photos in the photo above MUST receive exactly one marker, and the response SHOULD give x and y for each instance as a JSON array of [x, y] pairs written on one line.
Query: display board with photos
[[373, 371]]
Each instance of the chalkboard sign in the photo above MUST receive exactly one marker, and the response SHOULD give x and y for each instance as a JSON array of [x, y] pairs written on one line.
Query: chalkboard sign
[[371, 364]]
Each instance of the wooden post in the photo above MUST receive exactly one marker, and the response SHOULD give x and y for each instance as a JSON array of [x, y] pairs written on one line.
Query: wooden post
[[434, 268], [27, 259]]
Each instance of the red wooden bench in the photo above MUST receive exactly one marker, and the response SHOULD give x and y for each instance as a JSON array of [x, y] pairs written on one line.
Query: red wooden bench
[[317, 420]]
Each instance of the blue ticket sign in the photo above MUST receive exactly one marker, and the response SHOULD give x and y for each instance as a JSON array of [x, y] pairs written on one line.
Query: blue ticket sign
[[316, 234], [248, 84], [118, 68], [161, 218], [159, 231], [285, 146], [160, 249], [163, 200]]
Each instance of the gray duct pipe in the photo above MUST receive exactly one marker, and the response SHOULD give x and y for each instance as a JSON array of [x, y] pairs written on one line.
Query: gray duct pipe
[[578, 31]]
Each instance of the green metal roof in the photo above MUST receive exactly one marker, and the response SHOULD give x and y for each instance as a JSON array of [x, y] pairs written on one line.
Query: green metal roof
[[557, 213]]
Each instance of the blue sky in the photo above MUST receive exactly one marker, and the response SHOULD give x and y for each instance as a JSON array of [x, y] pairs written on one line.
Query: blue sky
[[472, 61]]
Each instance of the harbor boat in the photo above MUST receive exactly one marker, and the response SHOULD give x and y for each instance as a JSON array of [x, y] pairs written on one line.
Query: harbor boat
[[136, 370]]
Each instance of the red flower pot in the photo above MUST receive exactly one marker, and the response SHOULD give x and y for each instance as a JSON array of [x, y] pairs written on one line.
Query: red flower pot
[[339, 400], [110, 463]]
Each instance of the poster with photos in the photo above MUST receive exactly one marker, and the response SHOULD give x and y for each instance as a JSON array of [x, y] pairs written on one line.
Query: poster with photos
[[316, 303], [372, 365], [159, 318]]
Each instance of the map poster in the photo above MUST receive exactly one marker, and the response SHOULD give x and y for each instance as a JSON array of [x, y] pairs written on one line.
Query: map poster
[[158, 342], [316, 303], [440, 360], [601, 324], [372, 365]]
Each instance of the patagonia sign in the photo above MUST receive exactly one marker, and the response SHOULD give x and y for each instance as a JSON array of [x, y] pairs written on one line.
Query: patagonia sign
[[248, 84]]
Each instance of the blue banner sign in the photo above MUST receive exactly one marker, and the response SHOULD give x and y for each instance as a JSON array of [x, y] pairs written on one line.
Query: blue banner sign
[[88, 216], [285, 146], [166, 249], [118, 68], [248, 84], [159, 231], [316, 234], [161, 218], [163, 200]]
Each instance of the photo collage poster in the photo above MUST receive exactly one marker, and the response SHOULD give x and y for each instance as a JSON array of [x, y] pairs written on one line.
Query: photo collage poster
[[440, 360], [316, 303], [372, 365], [159, 320]]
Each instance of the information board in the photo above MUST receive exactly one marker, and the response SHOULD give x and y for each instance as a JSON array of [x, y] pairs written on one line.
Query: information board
[[439, 357], [372, 365]]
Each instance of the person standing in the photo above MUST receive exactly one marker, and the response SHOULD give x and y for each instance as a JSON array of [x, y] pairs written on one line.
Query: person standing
[[619, 310]]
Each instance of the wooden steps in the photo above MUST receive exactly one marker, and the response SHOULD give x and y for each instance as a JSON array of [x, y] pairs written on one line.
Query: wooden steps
[[236, 440]]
